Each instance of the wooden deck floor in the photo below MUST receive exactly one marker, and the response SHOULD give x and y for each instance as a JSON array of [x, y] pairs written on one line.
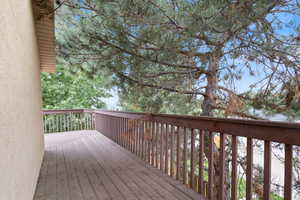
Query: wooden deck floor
[[86, 165]]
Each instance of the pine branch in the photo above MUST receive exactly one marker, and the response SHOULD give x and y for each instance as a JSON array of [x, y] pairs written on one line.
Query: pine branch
[[144, 84]]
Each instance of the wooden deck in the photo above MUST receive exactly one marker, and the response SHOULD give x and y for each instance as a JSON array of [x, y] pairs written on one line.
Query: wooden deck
[[87, 165]]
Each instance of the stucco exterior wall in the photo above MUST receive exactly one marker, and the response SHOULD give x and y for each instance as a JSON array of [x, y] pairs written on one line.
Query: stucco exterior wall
[[21, 138]]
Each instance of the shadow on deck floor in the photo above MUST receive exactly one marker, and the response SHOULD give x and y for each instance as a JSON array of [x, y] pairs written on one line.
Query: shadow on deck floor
[[86, 165]]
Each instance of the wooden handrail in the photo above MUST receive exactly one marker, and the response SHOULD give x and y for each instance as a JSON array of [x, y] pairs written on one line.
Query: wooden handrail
[[282, 132], [56, 111]]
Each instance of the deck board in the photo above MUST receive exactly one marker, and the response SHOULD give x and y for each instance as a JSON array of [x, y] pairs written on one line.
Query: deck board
[[87, 165]]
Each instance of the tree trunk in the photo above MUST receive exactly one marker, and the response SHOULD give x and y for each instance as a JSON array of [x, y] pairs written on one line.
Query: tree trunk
[[211, 88], [207, 110]]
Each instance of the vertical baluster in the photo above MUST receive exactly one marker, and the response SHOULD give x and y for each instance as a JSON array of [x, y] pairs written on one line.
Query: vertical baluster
[[83, 120], [112, 128], [234, 169], [156, 144], [88, 121], [178, 153], [76, 121], [145, 141], [50, 123], [65, 128], [149, 144], [167, 150], [118, 127], [44, 123], [133, 132], [128, 128], [71, 121], [153, 143], [61, 122], [267, 170], [184, 156], [210, 166], [161, 147], [93, 121], [125, 136], [113, 125], [288, 172], [128, 125], [137, 124], [136, 136], [192, 180], [140, 138], [172, 151], [68, 122], [201, 151], [124, 131], [128, 136], [149, 135], [121, 130], [222, 166], [79, 121], [249, 171], [132, 137], [47, 122], [56, 122]]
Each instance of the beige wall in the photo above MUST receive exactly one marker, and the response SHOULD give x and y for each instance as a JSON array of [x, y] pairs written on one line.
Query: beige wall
[[21, 139]]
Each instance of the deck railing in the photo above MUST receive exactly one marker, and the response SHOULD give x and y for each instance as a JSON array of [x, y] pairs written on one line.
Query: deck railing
[[201, 152], [68, 120], [185, 147]]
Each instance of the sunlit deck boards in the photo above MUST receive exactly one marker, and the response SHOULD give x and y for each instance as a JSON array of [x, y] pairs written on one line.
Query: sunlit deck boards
[[87, 165]]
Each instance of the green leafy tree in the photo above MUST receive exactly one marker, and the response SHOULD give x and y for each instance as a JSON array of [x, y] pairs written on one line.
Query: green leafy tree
[[68, 88]]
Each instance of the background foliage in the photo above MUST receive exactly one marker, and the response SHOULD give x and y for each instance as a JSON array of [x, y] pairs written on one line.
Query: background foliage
[[71, 88]]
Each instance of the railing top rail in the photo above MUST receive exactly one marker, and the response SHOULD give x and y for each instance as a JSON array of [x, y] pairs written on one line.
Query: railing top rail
[[57, 111], [283, 132], [279, 124]]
